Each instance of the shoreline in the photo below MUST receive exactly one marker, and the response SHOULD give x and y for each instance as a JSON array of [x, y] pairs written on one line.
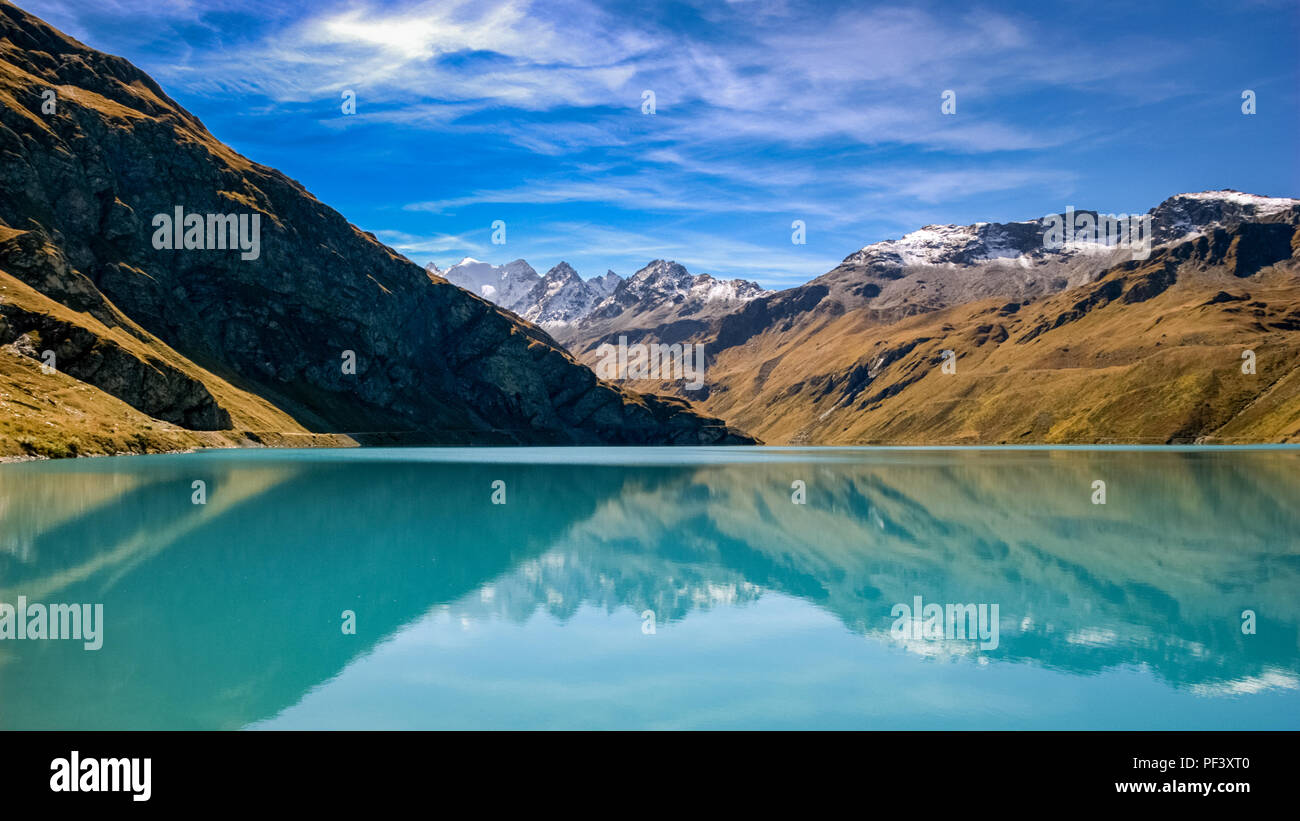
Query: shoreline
[[251, 445]]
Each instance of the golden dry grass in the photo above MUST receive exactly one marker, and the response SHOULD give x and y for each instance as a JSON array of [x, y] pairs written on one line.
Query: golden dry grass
[[1168, 369], [54, 415]]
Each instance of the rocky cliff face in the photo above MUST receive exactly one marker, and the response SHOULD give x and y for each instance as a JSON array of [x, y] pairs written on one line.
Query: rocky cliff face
[[301, 309]]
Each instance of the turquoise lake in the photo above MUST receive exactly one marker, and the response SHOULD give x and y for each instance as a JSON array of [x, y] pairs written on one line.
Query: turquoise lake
[[658, 588]]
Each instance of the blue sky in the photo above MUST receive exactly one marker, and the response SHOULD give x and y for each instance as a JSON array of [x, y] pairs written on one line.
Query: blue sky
[[766, 112]]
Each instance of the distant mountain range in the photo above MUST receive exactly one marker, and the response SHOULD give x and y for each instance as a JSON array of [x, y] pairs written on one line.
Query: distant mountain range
[[561, 301], [1085, 342], [130, 321]]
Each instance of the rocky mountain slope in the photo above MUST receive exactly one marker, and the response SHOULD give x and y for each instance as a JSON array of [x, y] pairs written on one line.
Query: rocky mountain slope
[[1082, 343], [312, 328]]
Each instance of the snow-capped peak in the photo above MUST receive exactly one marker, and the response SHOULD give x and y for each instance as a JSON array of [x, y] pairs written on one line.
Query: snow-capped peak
[[505, 284], [1261, 204], [560, 297], [562, 271], [955, 244], [605, 285], [1193, 213], [667, 281], [1173, 219], [518, 267], [661, 277]]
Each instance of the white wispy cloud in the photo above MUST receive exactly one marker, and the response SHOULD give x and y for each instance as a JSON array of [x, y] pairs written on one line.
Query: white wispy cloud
[[766, 109], [413, 245], [793, 189], [872, 74]]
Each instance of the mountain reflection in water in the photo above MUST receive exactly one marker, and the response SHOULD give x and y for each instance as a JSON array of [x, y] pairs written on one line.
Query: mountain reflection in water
[[765, 613]]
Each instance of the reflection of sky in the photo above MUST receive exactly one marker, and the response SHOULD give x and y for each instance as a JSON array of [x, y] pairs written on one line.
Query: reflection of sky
[[774, 663]]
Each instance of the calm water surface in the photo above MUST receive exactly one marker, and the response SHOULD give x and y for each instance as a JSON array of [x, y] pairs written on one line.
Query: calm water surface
[[766, 614]]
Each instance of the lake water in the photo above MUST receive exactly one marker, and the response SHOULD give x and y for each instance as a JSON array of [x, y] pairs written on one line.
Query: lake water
[[659, 588]]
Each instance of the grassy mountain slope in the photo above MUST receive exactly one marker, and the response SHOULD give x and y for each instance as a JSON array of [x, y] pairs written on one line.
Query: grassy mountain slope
[[1149, 352]]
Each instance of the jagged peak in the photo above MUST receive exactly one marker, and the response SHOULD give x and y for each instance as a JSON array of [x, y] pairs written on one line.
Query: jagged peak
[[562, 269], [518, 266], [659, 269]]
